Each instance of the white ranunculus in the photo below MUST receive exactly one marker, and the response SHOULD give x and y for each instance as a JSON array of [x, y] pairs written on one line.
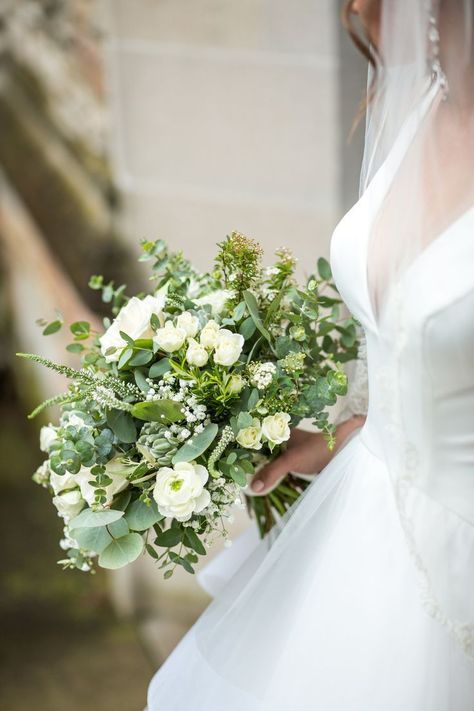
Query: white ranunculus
[[48, 435], [170, 338], [196, 354], [134, 320], [228, 347], [208, 335], [61, 482], [215, 299], [69, 504], [250, 437], [275, 428], [180, 492], [71, 418], [189, 323], [84, 476]]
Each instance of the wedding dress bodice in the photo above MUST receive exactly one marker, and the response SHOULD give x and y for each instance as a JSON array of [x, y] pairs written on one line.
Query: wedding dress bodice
[[420, 418]]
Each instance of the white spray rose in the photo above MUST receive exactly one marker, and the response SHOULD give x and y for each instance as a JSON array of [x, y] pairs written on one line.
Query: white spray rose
[[208, 335], [69, 504], [180, 492], [228, 347], [134, 320], [236, 383], [250, 437], [62, 482], [276, 428], [48, 435], [215, 299], [84, 476], [170, 338], [196, 354], [189, 323]]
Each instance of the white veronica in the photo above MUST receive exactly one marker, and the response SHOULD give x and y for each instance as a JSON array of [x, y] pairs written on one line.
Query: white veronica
[[196, 354], [134, 320], [228, 347], [189, 323], [208, 335], [180, 492], [170, 338], [276, 428]]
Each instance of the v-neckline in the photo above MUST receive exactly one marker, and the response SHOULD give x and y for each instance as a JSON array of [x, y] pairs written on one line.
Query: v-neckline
[[434, 244]]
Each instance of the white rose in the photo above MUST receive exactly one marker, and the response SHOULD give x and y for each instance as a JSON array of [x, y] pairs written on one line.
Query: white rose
[[180, 492], [84, 476], [228, 347], [189, 323], [236, 383], [47, 436], [196, 354], [208, 335], [250, 437], [215, 299], [276, 428], [170, 338], [61, 482], [134, 320], [69, 503]]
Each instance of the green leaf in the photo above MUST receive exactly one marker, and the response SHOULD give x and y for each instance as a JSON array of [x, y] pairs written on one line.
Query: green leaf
[[119, 528], [121, 551], [141, 517], [125, 356], [160, 368], [179, 560], [141, 358], [239, 311], [52, 327], [158, 411], [196, 445], [252, 306], [151, 551], [128, 339], [169, 538], [254, 397], [140, 379], [324, 269], [247, 328], [92, 539], [122, 425], [75, 348], [80, 329], [91, 519], [238, 475], [193, 541]]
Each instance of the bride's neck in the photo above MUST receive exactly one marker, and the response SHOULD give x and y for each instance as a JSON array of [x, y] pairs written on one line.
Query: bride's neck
[[457, 56]]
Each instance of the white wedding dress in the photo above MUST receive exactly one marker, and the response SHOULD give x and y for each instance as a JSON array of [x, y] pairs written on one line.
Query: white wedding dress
[[332, 615]]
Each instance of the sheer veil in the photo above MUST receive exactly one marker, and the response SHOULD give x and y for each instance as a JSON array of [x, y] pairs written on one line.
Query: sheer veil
[[417, 185]]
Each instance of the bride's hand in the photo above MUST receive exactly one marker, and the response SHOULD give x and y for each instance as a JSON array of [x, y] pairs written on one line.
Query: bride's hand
[[307, 453]]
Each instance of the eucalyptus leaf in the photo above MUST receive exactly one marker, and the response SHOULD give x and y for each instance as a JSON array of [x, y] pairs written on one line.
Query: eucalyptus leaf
[[169, 538], [160, 368], [141, 516], [91, 519], [119, 528], [324, 269], [92, 539], [121, 551], [122, 425], [196, 445], [194, 542]]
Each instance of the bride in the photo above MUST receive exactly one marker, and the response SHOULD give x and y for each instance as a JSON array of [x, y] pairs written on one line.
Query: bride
[[364, 599]]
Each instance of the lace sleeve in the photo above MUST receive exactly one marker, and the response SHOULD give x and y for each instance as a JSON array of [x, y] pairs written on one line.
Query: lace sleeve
[[358, 391]]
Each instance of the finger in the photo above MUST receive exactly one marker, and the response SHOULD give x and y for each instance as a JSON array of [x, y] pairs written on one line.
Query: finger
[[269, 475]]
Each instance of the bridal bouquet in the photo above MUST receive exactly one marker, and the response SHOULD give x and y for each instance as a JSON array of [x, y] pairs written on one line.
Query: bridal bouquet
[[184, 395]]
